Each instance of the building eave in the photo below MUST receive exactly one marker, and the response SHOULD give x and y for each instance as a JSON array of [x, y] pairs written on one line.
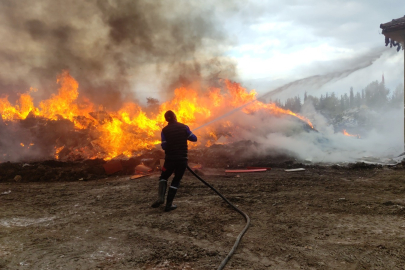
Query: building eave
[[394, 31]]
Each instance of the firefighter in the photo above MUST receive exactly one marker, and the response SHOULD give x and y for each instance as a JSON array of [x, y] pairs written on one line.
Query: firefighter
[[174, 142]]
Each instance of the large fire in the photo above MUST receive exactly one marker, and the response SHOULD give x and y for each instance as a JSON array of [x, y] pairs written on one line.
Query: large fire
[[131, 128]]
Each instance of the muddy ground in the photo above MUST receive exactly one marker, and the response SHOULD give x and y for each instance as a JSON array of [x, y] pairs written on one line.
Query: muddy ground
[[326, 217]]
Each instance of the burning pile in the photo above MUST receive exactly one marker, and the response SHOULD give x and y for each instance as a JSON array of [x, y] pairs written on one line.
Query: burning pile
[[69, 127]]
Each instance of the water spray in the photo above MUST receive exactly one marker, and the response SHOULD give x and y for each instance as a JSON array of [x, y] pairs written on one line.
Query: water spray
[[320, 80]]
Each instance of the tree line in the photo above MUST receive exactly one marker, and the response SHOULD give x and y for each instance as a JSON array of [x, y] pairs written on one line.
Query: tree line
[[375, 96]]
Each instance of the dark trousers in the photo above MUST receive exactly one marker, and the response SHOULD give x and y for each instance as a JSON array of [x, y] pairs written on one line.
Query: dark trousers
[[176, 167]]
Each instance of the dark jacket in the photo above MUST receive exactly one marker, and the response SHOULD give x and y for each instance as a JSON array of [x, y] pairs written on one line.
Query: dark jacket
[[174, 141]]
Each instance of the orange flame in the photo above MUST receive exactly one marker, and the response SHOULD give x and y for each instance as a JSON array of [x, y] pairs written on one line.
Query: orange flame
[[131, 128], [351, 135]]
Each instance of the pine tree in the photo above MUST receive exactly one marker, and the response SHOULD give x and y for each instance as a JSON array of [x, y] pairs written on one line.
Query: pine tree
[[351, 98], [357, 100]]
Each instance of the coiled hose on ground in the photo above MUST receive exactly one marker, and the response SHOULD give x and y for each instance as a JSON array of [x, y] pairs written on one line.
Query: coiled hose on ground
[[224, 262]]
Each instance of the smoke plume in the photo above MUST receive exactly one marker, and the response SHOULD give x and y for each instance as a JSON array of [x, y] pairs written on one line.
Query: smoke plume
[[109, 46]]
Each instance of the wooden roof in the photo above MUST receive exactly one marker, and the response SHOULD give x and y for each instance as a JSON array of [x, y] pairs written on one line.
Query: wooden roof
[[394, 25], [394, 32]]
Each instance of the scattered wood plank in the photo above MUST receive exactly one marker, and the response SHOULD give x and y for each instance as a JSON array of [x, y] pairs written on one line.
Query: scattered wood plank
[[295, 170], [136, 176], [245, 171], [254, 168]]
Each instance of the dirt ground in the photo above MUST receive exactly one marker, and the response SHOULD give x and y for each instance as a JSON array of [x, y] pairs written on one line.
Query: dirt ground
[[326, 217]]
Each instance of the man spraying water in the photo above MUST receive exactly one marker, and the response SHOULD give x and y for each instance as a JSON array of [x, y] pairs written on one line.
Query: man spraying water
[[174, 142]]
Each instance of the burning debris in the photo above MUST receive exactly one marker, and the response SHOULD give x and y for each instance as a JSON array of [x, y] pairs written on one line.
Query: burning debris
[[70, 127], [350, 135]]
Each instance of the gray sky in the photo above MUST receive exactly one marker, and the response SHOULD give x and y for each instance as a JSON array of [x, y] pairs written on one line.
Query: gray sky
[[281, 41]]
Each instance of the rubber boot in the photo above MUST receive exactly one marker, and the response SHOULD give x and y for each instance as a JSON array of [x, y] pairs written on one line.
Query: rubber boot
[[170, 196], [161, 194]]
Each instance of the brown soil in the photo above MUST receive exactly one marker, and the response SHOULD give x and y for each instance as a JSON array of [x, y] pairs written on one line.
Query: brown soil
[[322, 218]]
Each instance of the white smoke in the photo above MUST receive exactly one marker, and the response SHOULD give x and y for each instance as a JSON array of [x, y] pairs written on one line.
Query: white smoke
[[381, 141]]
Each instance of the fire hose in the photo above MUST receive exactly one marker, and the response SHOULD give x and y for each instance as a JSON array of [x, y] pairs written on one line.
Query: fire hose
[[224, 262]]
